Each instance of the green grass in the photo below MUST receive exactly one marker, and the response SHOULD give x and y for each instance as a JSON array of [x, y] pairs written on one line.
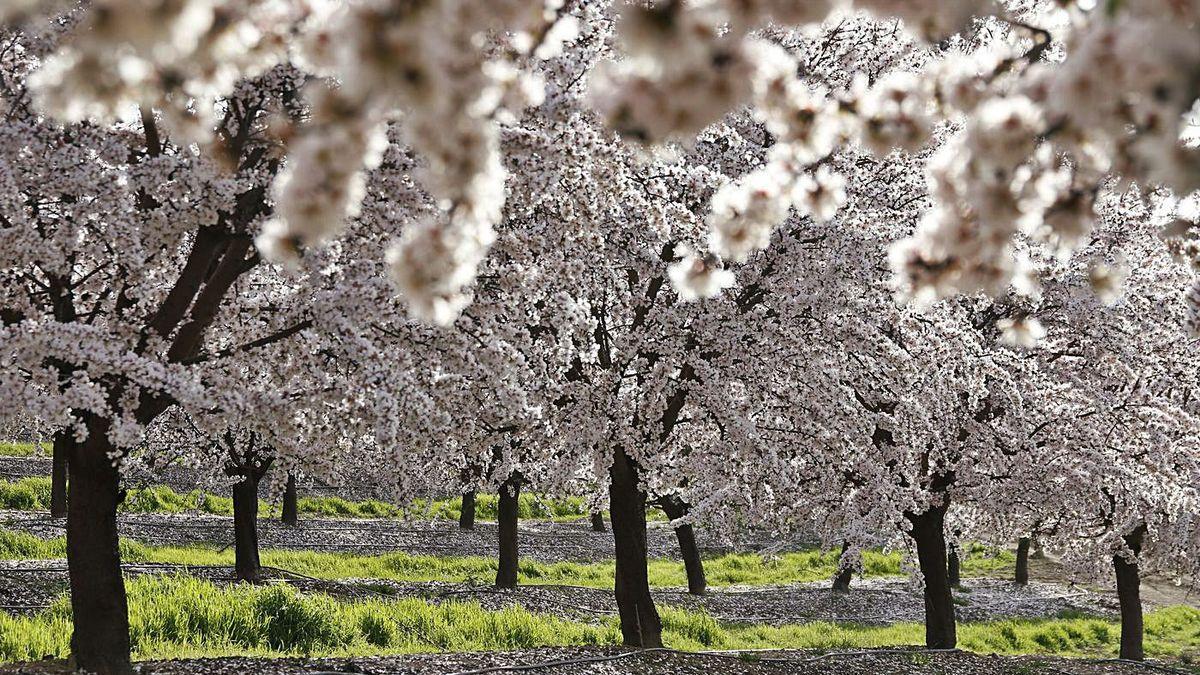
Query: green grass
[[13, 449], [725, 570], [173, 617], [33, 493]]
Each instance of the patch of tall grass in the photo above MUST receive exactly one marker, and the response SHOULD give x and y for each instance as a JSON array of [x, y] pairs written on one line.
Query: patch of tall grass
[[173, 616], [179, 616], [16, 449]]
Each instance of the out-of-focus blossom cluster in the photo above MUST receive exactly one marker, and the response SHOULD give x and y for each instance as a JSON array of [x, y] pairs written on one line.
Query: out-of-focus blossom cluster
[[1028, 109]]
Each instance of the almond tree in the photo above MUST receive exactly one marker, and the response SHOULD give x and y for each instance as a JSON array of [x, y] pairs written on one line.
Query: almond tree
[[122, 251]]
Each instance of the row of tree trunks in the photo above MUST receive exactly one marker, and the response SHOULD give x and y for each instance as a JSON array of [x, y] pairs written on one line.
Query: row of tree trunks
[[1129, 594], [246, 564], [676, 508], [291, 509], [63, 440], [953, 567], [250, 467], [930, 538], [1022, 572], [841, 581], [640, 624], [100, 613], [466, 515], [507, 515]]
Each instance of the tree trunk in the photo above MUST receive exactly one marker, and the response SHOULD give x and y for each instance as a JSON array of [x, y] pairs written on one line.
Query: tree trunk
[[676, 508], [245, 528], [100, 641], [640, 625], [1129, 595], [953, 567], [291, 507], [466, 517], [598, 522], [507, 513], [841, 582], [931, 553], [63, 440], [1022, 577]]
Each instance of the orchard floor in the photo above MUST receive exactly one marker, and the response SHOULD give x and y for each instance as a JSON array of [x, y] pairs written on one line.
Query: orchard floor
[[614, 661], [29, 585], [545, 541]]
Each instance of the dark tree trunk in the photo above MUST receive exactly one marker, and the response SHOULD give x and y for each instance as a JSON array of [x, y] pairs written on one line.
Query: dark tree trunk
[[640, 625], [676, 508], [953, 567], [598, 522], [466, 517], [100, 641], [291, 507], [841, 582], [1022, 576], [931, 553], [245, 528], [1129, 594], [63, 440], [507, 513]]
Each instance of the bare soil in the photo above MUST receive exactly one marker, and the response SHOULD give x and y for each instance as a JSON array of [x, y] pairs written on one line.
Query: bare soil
[[616, 661]]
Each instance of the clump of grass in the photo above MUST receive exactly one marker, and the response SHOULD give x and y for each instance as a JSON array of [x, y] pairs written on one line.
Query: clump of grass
[[16, 449], [27, 494], [22, 546], [179, 616], [182, 616]]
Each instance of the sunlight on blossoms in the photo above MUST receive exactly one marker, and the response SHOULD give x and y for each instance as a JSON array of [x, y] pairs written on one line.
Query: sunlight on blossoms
[[889, 296]]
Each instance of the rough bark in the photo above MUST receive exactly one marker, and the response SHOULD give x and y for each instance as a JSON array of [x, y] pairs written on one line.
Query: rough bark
[[63, 440], [841, 581], [598, 522], [245, 528], [931, 553], [506, 515], [100, 641], [676, 508], [1129, 595], [640, 624], [1022, 573], [466, 517], [291, 509]]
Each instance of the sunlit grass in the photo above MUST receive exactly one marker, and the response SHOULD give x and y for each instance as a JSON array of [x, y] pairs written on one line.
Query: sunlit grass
[[15, 449], [33, 493], [725, 570], [178, 616]]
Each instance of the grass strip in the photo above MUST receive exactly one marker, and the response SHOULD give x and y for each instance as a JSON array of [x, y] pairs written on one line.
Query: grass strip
[[33, 493], [15, 449], [730, 569]]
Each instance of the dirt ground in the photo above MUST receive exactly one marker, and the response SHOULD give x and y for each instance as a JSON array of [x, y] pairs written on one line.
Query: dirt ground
[[614, 661]]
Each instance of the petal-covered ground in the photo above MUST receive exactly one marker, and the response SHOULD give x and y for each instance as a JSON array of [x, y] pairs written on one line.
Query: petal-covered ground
[[612, 661]]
